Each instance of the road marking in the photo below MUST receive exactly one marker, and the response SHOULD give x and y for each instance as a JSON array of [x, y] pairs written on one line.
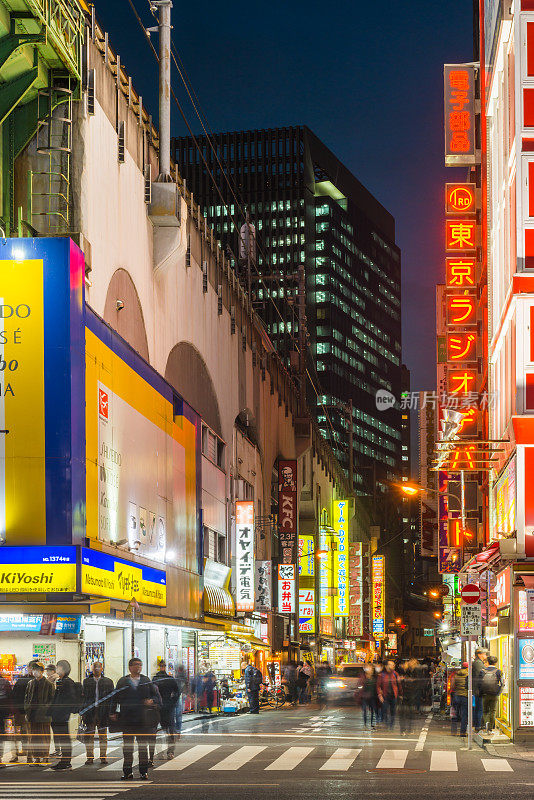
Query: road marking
[[322, 736], [237, 759], [291, 758], [443, 761], [496, 765], [189, 757], [424, 733], [392, 759], [342, 759]]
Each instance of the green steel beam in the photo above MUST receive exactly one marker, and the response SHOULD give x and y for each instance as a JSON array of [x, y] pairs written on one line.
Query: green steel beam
[[13, 92], [10, 43], [25, 125]]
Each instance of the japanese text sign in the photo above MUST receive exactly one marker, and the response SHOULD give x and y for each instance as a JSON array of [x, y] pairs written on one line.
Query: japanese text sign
[[461, 272], [461, 347], [459, 114], [286, 588], [378, 599], [244, 550], [341, 560], [460, 235], [287, 511], [462, 310], [263, 586]]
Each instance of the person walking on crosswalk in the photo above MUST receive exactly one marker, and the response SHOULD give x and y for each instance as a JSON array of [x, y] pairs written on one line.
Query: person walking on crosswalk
[[96, 701], [170, 693], [39, 694], [139, 702], [459, 689], [64, 703], [388, 691]]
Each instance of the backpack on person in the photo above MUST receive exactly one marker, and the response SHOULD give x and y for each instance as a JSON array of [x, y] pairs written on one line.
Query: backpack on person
[[490, 683]]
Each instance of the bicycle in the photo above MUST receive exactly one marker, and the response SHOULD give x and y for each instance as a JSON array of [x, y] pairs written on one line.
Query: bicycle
[[274, 698]]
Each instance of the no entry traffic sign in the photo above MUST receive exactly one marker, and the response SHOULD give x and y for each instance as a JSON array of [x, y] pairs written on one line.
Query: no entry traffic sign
[[470, 593]]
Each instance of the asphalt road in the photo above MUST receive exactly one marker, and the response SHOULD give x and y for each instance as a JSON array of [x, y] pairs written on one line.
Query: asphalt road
[[307, 753]]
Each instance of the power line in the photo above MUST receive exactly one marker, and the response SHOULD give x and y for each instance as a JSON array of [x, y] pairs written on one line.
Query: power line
[[217, 188]]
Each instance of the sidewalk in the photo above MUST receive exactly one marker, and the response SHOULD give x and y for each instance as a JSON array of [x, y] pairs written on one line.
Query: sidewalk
[[504, 748]]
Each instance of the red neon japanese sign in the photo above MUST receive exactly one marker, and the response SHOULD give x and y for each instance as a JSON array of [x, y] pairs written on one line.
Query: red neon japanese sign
[[460, 235], [461, 272], [460, 198], [461, 347], [461, 310], [459, 114], [462, 383]]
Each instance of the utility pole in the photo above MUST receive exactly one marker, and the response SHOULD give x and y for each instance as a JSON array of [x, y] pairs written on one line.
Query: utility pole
[[164, 27]]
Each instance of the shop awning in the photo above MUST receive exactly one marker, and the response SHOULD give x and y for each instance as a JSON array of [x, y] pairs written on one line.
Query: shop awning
[[253, 641], [218, 601]]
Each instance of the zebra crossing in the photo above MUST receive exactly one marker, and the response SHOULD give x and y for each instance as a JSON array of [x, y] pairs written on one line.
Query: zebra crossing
[[55, 790], [280, 759]]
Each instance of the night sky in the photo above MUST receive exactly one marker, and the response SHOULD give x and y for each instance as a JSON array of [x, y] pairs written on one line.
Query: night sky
[[365, 76]]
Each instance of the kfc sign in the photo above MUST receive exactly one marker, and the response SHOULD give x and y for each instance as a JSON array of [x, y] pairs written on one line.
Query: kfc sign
[[287, 511], [103, 404], [244, 559]]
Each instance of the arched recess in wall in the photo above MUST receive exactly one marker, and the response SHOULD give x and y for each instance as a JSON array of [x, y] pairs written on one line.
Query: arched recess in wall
[[187, 372], [123, 311]]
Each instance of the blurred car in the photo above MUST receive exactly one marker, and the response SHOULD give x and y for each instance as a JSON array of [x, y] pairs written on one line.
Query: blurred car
[[345, 683]]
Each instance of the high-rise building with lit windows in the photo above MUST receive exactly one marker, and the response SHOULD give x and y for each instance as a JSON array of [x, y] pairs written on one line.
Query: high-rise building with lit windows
[[308, 208]]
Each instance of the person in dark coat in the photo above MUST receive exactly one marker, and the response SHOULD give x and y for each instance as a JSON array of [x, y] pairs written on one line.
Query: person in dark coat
[[64, 703], [20, 738], [39, 694], [368, 695], [253, 682], [170, 692], [6, 710], [96, 699], [139, 701]]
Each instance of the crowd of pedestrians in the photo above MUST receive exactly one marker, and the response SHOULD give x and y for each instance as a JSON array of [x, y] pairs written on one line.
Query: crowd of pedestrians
[[488, 683]]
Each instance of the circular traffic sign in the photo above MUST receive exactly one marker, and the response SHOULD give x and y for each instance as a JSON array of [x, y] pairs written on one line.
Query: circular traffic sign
[[470, 593]]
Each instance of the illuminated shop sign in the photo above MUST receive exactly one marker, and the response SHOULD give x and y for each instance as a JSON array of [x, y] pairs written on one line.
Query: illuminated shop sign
[[341, 558], [287, 510], [37, 569], [354, 622], [36, 623], [103, 575], [378, 596], [286, 588], [461, 347], [460, 272], [306, 555], [307, 610], [461, 310], [244, 559], [41, 392], [460, 198], [460, 235], [459, 91]]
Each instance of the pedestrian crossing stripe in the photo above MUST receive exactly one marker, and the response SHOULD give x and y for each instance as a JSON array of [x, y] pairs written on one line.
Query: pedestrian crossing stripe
[[341, 759]]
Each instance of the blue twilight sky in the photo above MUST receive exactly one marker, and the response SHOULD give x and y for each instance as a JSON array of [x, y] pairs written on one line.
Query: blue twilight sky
[[366, 76]]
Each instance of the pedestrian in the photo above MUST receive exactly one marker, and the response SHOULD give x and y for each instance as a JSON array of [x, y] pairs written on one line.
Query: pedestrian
[[303, 676], [459, 689], [490, 687], [20, 737], [479, 663], [408, 696], [210, 684], [388, 690], [51, 674], [39, 694], [181, 680], [96, 704], [64, 703], [369, 697], [169, 691], [253, 682], [139, 702], [290, 680], [6, 711]]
